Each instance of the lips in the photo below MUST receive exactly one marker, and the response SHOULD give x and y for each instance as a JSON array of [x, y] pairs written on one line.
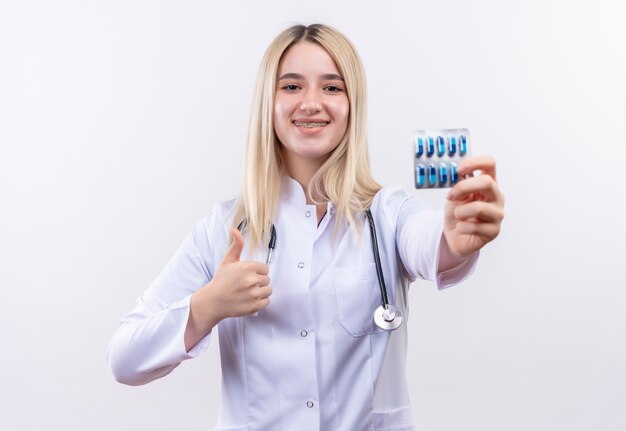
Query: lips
[[310, 124]]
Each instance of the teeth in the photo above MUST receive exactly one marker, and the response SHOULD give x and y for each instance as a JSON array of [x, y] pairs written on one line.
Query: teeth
[[309, 125]]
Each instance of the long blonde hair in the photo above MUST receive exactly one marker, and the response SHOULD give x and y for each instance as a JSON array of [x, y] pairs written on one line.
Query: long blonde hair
[[344, 179]]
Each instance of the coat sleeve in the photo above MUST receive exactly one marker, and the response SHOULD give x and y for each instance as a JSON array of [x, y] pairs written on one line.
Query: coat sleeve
[[419, 232], [149, 342]]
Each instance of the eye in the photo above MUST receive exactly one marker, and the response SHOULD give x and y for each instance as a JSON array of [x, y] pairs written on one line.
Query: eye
[[333, 89], [291, 87]]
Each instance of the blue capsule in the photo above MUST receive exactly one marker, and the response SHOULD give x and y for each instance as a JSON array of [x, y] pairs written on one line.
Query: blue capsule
[[441, 146], [451, 145], [419, 147], [443, 173], [420, 176], [430, 147], [432, 175], [462, 145], [454, 175]]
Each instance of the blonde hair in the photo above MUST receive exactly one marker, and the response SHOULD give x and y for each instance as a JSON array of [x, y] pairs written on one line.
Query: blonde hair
[[344, 179]]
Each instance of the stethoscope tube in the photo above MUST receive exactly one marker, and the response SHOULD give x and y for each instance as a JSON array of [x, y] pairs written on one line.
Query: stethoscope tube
[[386, 316], [270, 246], [379, 269]]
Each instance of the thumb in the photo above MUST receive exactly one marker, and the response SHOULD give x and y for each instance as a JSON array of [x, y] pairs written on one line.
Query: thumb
[[233, 254]]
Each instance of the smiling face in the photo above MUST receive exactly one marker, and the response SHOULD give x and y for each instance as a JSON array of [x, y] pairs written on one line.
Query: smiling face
[[310, 107]]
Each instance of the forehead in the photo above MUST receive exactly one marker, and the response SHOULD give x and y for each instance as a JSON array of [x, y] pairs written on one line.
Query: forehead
[[307, 58]]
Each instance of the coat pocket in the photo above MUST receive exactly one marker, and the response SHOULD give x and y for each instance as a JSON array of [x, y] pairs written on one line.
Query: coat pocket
[[358, 296]]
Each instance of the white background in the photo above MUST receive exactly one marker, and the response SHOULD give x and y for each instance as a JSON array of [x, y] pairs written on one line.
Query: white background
[[122, 123]]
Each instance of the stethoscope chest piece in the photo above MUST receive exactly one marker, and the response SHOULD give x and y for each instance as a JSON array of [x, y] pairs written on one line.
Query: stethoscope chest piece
[[388, 318]]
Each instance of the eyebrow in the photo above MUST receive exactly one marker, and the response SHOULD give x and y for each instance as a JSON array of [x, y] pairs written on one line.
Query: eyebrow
[[326, 76]]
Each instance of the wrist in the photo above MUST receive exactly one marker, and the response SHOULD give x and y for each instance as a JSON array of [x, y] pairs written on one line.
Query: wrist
[[448, 258], [204, 309], [202, 318]]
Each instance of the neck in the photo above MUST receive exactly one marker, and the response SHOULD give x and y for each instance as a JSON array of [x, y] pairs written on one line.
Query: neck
[[302, 171]]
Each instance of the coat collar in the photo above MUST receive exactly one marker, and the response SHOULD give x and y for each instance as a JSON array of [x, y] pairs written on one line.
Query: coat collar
[[293, 193]]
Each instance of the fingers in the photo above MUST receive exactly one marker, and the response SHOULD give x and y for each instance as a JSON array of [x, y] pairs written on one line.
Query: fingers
[[486, 231], [483, 185], [259, 292], [239, 287], [264, 292], [255, 280], [260, 299], [233, 254], [484, 164], [263, 303], [479, 211], [251, 298], [255, 267], [475, 207]]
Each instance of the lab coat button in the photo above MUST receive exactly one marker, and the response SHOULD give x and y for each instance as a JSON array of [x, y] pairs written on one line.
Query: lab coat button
[[309, 404], [301, 265], [307, 214], [304, 333]]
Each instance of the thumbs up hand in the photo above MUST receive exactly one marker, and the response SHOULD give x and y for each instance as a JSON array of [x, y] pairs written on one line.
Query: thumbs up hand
[[237, 289], [240, 288]]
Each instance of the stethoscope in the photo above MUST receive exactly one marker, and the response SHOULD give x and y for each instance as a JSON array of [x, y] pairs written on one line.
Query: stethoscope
[[386, 316]]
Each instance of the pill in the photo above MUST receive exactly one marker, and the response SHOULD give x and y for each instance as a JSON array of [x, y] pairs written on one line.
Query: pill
[[430, 148], [451, 145], [419, 146], [454, 175], [420, 175], [462, 145], [441, 146], [432, 175], [443, 173], [438, 156]]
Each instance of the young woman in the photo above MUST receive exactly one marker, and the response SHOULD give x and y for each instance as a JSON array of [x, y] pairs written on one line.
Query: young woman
[[299, 346]]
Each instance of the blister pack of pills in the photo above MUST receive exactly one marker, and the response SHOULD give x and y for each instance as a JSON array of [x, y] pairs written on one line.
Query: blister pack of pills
[[437, 155]]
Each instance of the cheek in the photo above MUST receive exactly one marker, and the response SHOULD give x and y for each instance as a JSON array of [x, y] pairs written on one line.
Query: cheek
[[280, 117], [345, 113], [341, 110], [278, 109], [284, 107]]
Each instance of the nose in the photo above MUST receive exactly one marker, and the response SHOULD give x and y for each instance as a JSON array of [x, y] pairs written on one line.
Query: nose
[[311, 102]]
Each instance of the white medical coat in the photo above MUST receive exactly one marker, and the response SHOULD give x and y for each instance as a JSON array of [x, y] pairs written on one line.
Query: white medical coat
[[313, 359]]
